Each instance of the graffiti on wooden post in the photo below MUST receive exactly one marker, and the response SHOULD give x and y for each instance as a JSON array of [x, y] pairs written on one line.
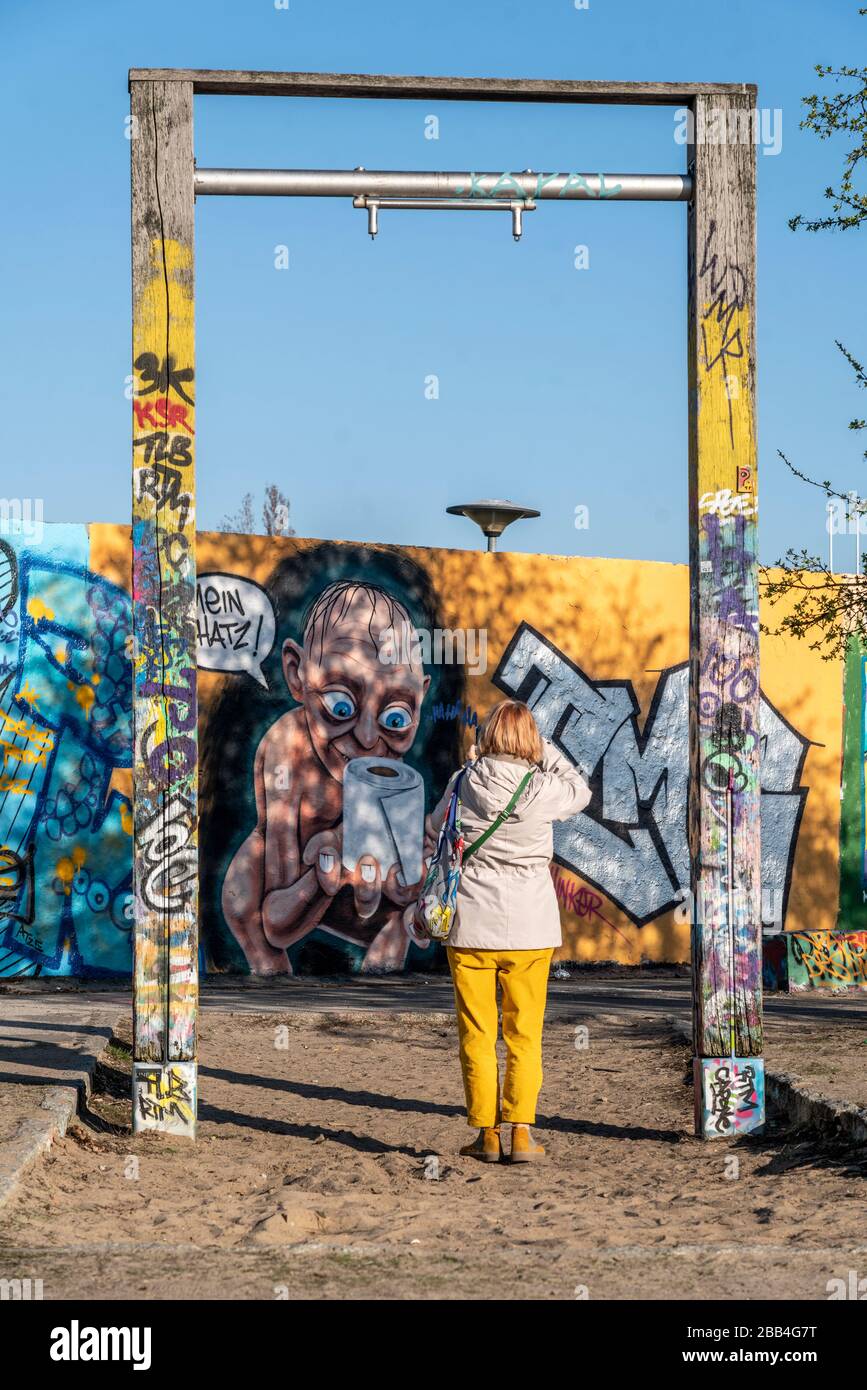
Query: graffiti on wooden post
[[728, 734], [725, 712], [729, 1095], [164, 1098], [164, 633]]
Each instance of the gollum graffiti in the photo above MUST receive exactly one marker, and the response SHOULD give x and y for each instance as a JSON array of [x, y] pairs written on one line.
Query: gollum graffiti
[[336, 807], [338, 844]]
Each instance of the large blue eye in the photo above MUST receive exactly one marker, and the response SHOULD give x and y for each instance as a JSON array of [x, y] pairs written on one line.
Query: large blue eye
[[395, 717], [339, 704]]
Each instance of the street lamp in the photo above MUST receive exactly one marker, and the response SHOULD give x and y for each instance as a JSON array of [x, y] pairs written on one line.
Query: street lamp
[[493, 515]]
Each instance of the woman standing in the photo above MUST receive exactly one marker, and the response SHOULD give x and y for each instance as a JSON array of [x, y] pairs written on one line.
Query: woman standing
[[507, 924]]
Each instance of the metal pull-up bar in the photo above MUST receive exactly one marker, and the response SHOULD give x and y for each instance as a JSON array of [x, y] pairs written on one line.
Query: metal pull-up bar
[[423, 191], [397, 183]]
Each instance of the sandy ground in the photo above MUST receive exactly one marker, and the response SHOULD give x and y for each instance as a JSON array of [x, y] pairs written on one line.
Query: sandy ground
[[328, 1168]]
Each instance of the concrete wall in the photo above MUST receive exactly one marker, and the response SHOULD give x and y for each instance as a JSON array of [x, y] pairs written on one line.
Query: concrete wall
[[598, 647], [65, 710]]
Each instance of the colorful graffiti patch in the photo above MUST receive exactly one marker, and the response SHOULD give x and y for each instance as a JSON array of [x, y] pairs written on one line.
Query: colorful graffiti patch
[[729, 1095], [827, 960]]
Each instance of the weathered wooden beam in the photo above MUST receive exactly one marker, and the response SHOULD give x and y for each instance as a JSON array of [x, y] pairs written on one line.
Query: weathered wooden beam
[[724, 731], [331, 84], [165, 856]]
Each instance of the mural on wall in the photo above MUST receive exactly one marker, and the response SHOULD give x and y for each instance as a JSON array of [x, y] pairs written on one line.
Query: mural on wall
[[333, 764], [326, 738], [65, 715], [337, 840], [632, 840], [834, 961]]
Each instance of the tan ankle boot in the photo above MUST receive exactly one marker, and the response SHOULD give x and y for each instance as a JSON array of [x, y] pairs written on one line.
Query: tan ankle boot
[[524, 1147], [486, 1146]]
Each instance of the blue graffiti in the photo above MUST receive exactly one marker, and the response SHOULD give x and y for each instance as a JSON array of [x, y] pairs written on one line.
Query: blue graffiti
[[443, 713], [65, 730]]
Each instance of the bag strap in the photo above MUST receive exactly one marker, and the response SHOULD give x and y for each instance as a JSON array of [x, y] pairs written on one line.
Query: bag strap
[[451, 816], [498, 821]]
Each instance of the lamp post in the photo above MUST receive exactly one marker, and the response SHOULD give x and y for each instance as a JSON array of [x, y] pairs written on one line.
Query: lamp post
[[492, 515]]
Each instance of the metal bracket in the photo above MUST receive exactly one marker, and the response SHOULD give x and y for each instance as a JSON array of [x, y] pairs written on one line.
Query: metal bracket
[[517, 207]]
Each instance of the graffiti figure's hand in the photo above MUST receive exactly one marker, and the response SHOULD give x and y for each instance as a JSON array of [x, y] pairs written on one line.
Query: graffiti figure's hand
[[366, 882], [324, 853], [389, 947], [398, 890]]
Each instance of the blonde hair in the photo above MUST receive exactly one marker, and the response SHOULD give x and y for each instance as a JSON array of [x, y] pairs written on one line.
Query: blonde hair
[[511, 729]]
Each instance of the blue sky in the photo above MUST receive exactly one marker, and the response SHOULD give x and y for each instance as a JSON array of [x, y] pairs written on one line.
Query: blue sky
[[558, 386]]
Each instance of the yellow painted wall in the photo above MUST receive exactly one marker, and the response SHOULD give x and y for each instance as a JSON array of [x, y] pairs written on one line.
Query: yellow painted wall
[[617, 619]]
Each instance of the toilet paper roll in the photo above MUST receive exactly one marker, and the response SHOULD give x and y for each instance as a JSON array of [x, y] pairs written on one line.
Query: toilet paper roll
[[383, 816]]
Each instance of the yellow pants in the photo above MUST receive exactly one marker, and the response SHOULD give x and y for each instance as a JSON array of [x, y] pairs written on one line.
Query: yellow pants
[[523, 979]]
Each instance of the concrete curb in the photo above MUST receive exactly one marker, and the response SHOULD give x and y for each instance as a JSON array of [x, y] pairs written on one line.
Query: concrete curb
[[50, 1119], [37, 1133], [832, 1119]]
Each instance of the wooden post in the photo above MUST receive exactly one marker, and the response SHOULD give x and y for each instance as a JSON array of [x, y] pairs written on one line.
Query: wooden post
[[724, 732], [165, 775], [724, 666]]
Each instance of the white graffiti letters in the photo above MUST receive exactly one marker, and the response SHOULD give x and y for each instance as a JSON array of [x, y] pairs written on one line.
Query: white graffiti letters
[[726, 504], [171, 859], [632, 841]]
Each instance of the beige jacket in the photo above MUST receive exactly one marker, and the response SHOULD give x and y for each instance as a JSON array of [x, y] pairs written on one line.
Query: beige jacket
[[506, 899]]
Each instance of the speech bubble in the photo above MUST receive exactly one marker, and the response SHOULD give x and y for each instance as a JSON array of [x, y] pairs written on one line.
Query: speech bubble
[[235, 625]]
